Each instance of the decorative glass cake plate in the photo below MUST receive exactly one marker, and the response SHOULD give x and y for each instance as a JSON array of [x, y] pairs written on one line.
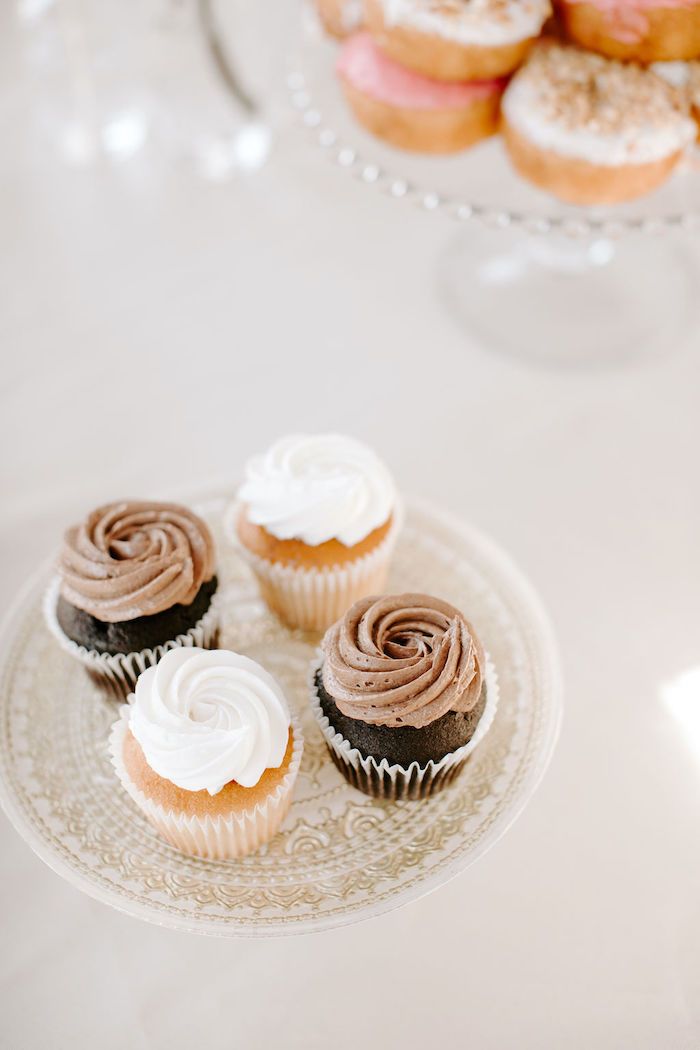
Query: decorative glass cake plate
[[340, 856], [526, 274]]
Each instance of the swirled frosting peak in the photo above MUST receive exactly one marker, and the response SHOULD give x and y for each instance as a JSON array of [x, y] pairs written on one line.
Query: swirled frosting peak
[[318, 487], [402, 660], [131, 559], [205, 717]]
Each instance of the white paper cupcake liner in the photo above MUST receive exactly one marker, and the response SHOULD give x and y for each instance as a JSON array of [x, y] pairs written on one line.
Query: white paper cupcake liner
[[313, 599], [117, 673], [213, 838], [384, 780]]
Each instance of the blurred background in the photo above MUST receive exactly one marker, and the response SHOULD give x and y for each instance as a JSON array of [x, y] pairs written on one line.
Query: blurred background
[[182, 279]]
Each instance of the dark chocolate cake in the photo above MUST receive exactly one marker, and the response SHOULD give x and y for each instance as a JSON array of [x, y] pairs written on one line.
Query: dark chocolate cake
[[131, 636], [404, 744]]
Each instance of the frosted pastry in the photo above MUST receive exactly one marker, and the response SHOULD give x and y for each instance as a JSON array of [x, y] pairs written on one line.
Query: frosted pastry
[[457, 39], [635, 30], [134, 580], [208, 751], [591, 130], [318, 520], [401, 694], [410, 110]]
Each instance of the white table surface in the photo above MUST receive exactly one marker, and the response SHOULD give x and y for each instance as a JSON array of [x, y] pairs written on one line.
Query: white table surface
[[155, 330]]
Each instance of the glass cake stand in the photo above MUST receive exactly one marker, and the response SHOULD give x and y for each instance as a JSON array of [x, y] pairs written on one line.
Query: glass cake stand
[[532, 277], [340, 857]]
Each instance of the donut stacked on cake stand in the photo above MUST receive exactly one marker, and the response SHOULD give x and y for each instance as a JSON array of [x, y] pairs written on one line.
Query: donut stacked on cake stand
[[571, 157]]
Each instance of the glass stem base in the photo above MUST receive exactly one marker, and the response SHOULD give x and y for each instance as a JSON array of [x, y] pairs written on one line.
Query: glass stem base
[[561, 301]]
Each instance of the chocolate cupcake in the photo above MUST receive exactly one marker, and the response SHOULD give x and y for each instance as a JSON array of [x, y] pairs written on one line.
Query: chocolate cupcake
[[403, 693], [135, 580]]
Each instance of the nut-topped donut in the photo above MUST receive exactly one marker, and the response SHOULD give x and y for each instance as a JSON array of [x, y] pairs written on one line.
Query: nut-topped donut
[[456, 39], [592, 130]]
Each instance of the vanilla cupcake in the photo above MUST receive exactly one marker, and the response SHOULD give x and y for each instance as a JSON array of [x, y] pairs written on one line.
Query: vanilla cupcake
[[457, 39], [635, 30], [403, 693], [208, 751], [339, 18], [412, 111], [135, 579], [317, 520], [591, 130]]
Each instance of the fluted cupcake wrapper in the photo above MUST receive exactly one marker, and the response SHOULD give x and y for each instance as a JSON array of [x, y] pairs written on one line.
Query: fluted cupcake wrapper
[[213, 838], [380, 779], [117, 672], [313, 599]]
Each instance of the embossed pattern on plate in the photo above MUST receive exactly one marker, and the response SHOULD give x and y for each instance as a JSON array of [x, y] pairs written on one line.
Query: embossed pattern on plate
[[340, 856]]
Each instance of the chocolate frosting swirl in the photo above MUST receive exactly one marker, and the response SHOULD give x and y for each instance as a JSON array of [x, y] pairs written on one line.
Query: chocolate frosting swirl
[[132, 559], [402, 660]]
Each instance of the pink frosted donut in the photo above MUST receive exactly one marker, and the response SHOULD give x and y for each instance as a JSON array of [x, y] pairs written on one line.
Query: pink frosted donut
[[636, 30], [413, 111], [370, 71]]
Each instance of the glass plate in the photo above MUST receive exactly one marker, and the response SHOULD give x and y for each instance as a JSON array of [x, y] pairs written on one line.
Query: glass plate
[[478, 183], [340, 856], [514, 282]]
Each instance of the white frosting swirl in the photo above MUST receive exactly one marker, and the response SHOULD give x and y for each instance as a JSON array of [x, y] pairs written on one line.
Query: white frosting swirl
[[204, 717], [317, 488]]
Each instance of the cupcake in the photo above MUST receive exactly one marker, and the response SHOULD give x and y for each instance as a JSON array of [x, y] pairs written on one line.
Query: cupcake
[[403, 693], [591, 130], [317, 520], [208, 751], [457, 39], [635, 30], [339, 18], [410, 110], [135, 580]]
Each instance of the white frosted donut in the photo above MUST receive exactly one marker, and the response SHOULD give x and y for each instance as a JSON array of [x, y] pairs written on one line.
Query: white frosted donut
[[593, 130]]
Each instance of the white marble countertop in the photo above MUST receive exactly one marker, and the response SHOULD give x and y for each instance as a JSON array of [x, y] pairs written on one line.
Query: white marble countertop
[[155, 328]]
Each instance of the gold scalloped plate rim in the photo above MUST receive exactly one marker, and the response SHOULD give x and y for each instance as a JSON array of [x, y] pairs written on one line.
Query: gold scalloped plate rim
[[544, 713]]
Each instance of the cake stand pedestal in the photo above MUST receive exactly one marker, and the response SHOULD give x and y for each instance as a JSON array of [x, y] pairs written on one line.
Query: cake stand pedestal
[[593, 301]]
